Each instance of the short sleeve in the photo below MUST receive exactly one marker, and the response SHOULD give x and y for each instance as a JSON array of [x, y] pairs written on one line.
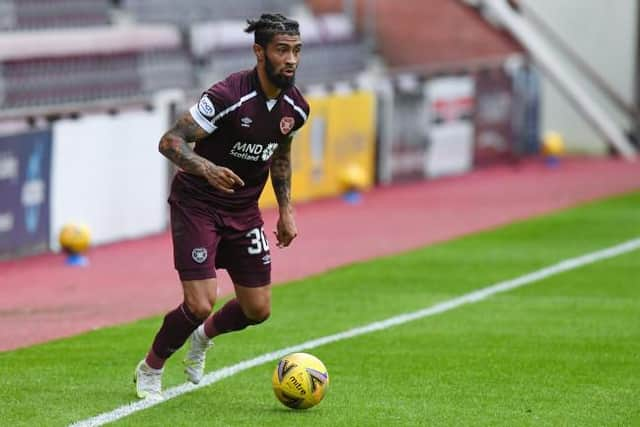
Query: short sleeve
[[301, 108], [307, 110], [212, 102]]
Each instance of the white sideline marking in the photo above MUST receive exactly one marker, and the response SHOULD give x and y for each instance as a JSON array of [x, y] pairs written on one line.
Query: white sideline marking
[[469, 298]]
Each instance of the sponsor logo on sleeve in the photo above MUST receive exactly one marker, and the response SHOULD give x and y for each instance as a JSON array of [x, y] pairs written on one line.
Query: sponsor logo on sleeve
[[199, 255], [206, 108], [286, 124]]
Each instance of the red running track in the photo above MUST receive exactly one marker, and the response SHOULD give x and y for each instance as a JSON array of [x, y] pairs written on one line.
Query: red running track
[[42, 299]]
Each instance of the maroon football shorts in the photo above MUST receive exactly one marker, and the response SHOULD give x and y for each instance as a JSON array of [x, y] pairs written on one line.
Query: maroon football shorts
[[205, 239]]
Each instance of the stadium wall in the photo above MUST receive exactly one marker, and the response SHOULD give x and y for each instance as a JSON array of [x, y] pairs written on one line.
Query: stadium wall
[[107, 174], [605, 35]]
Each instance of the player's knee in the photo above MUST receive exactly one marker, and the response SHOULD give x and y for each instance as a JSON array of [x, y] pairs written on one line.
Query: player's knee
[[263, 315], [258, 314], [200, 308]]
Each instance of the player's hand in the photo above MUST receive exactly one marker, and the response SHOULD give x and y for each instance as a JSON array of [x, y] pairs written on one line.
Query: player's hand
[[286, 229], [221, 178]]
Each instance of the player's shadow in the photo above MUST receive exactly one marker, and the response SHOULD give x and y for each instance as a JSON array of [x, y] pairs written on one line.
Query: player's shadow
[[294, 412]]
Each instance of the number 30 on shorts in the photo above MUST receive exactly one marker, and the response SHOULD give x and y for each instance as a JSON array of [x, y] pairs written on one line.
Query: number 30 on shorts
[[258, 241]]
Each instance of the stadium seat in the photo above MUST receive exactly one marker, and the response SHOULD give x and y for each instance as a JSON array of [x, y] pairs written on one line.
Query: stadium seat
[[44, 14], [77, 66], [203, 10]]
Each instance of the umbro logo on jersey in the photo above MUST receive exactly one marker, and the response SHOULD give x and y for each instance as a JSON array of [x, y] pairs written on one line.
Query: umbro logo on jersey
[[206, 108], [266, 259], [246, 122]]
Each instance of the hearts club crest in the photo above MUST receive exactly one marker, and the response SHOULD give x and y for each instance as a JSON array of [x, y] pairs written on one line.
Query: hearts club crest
[[286, 124]]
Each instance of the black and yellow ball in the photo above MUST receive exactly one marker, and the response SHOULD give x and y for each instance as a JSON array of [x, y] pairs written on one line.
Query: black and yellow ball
[[353, 178], [553, 144], [75, 238], [300, 381]]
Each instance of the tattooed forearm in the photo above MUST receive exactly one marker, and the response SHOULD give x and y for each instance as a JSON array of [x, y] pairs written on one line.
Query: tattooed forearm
[[281, 174], [174, 145], [177, 150], [281, 183]]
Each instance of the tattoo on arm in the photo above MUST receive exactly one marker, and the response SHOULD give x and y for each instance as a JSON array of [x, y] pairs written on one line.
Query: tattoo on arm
[[281, 173], [174, 145]]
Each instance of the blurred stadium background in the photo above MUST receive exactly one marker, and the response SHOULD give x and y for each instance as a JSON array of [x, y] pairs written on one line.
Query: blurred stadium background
[[456, 115], [400, 91]]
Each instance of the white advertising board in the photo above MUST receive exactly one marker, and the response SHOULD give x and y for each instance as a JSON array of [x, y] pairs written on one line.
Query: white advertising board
[[107, 173], [450, 105]]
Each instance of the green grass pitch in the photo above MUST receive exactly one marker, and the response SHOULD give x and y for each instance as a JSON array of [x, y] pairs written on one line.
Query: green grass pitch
[[561, 351]]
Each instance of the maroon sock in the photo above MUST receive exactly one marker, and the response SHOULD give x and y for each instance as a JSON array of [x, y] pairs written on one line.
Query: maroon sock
[[229, 318], [176, 328]]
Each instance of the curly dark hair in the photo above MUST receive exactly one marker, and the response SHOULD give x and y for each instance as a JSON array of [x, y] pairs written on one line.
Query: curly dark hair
[[269, 25]]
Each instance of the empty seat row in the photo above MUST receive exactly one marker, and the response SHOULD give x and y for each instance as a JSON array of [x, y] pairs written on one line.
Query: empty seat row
[[87, 78], [190, 11], [77, 66], [45, 14]]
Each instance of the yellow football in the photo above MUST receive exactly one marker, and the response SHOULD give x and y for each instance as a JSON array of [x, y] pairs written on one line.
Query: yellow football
[[300, 380], [75, 238], [553, 144]]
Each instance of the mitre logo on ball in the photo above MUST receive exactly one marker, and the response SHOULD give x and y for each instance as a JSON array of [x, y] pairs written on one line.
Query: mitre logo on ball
[[300, 381]]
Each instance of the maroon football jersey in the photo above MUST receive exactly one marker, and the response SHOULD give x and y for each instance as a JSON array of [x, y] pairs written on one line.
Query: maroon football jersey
[[244, 130]]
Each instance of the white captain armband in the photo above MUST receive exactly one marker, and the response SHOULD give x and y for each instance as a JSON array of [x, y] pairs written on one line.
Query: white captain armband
[[203, 113]]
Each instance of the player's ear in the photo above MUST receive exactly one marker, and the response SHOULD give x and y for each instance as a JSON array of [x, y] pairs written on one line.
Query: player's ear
[[259, 51]]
